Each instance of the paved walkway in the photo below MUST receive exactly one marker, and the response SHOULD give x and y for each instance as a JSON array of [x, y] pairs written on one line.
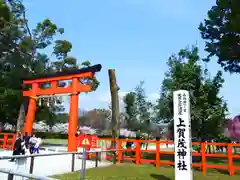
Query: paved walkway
[[47, 166]]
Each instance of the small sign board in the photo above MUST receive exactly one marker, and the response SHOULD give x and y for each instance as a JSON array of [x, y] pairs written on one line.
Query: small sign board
[[85, 141]]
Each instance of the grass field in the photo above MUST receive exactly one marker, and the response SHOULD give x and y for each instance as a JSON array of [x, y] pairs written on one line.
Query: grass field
[[55, 141], [141, 172]]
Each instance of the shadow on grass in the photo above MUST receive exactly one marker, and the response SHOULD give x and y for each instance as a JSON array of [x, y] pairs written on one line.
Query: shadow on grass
[[159, 177], [195, 159], [222, 171]]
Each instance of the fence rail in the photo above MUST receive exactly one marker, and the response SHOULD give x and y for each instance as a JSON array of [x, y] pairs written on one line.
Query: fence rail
[[13, 173]]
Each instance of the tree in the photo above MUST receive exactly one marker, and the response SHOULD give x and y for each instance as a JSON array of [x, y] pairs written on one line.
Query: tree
[[130, 107], [138, 110], [22, 55], [4, 14], [49, 117], [96, 118], [144, 108], [208, 109], [221, 32], [62, 117]]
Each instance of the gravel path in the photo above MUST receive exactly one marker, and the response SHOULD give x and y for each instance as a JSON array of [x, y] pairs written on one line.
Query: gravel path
[[47, 166]]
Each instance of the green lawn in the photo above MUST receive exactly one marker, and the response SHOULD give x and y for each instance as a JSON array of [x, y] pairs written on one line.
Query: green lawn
[[55, 141], [141, 172]]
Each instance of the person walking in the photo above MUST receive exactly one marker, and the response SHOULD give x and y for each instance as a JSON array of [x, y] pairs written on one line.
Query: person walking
[[26, 139], [19, 147], [32, 143], [36, 147]]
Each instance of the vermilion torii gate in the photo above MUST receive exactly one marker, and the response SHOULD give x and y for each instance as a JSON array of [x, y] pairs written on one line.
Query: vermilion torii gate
[[74, 88]]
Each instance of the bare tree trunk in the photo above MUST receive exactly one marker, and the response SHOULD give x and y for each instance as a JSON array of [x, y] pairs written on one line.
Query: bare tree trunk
[[115, 105], [21, 119], [148, 136]]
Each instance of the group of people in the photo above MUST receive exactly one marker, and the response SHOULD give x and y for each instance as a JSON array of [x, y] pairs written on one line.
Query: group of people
[[26, 144]]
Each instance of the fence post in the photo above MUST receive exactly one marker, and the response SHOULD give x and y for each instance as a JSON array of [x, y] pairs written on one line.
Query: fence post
[[73, 162], [5, 141], [96, 160], [114, 152], [157, 152], [203, 153], [230, 160], [31, 165], [10, 177], [83, 170], [138, 151]]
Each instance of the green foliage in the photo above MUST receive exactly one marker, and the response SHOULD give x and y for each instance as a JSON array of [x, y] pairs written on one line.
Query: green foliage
[[208, 109], [93, 81], [4, 14], [49, 117], [138, 110], [221, 32], [143, 108], [130, 110]]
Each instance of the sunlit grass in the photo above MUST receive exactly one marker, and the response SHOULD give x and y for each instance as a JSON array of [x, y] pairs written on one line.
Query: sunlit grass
[[141, 172]]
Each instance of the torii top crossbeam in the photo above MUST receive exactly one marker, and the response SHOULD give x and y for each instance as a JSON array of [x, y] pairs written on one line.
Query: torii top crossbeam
[[54, 78]]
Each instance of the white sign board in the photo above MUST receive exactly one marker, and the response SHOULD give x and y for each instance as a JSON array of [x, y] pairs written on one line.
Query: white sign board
[[182, 135]]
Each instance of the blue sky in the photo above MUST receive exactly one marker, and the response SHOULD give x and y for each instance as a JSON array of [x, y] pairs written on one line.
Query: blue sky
[[135, 37]]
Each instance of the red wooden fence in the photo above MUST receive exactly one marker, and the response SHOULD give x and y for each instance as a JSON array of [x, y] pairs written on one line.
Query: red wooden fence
[[7, 140], [202, 154]]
